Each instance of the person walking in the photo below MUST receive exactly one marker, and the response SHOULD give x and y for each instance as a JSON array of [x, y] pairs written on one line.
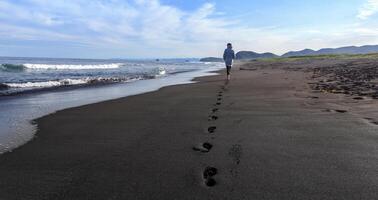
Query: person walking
[[228, 57]]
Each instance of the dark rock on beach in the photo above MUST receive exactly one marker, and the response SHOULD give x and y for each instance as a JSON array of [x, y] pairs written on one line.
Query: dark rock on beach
[[351, 75], [359, 78]]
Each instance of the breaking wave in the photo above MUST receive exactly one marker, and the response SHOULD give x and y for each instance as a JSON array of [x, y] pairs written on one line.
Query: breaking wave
[[12, 67], [46, 83], [21, 67], [74, 67], [69, 82]]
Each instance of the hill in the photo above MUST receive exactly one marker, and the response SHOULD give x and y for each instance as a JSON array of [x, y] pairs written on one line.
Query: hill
[[342, 50], [242, 55], [211, 59]]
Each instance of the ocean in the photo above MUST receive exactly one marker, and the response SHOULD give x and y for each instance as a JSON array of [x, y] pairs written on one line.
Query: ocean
[[34, 87], [20, 75]]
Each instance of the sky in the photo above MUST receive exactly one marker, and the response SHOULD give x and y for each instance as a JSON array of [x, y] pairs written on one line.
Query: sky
[[180, 28]]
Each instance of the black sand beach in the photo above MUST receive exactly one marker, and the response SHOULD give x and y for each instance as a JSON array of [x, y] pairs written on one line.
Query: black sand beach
[[266, 134]]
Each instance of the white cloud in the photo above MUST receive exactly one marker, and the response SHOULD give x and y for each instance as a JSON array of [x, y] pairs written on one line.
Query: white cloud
[[368, 9], [25, 33], [140, 24], [148, 28], [367, 31]]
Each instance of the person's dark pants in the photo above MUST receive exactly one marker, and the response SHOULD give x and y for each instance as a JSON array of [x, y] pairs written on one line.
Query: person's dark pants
[[228, 70]]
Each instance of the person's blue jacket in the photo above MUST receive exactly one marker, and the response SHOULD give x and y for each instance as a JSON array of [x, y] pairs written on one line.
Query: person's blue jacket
[[228, 56]]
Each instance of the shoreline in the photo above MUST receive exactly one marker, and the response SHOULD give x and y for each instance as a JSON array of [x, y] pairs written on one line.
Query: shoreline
[[94, 84], [260, 136], [21, 111]]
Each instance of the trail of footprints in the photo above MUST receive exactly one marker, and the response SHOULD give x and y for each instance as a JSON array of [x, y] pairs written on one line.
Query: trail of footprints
[[209, 172]]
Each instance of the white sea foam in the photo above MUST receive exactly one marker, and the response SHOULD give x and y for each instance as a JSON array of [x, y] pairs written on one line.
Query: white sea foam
[[74, 67], [47, 83], [162, 71], [67, 82]]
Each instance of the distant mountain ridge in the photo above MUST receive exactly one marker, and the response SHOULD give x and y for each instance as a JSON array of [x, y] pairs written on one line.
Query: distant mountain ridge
[[241, 55], [211, 59], [342, 50], [249, 55]]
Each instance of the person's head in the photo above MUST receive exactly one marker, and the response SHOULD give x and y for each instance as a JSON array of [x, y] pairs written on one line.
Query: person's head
[[229, 45]]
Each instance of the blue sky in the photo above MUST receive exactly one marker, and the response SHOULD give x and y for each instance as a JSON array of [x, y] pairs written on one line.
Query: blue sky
[[180, 28]]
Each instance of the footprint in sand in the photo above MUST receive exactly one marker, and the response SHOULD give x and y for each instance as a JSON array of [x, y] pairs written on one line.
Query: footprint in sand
[[336, 110], [211, 129], [341, 111], [215, 110], [218, 103], [238, 121], [358, 98], [236, 152], [213, 118], [204, 148], [230, 104], [208, 174], [371, 121]]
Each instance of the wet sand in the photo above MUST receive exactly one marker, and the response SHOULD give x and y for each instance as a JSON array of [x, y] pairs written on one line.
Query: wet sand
[[264, 135]]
